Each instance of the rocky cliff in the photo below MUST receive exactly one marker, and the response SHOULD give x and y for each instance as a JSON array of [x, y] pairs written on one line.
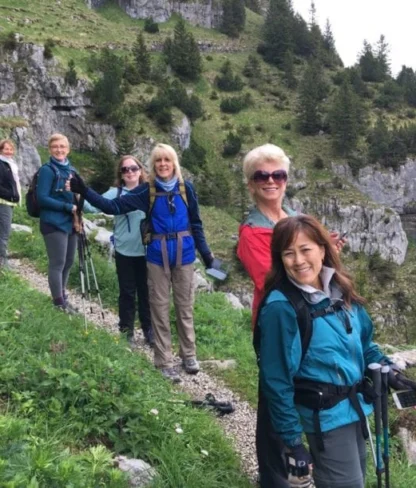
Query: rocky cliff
[[205, 13]]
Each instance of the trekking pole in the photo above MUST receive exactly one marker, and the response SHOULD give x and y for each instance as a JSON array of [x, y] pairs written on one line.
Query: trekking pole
[[370, 438], [385, 420], [94, 275], [375, 369], [87, 273], [81, 264]]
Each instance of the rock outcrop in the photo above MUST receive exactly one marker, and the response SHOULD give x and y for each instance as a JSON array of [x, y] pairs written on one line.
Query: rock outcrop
[[205, 13], [369, 229], [33, 89]]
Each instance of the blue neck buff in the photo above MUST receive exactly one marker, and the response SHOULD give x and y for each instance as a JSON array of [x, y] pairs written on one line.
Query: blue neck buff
[[167, 185], [62, 163]]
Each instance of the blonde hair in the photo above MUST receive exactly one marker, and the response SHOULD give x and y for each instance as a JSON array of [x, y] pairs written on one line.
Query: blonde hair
[[266, 153], [119, 179], [157, 151], [58, 137], [3, 142]]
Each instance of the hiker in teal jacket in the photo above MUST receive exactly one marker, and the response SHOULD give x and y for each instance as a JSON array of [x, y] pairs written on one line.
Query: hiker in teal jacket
[[339, 351], [130, 252], [57, 209]]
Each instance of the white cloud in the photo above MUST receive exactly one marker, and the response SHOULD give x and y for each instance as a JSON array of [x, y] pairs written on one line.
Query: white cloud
[[353, 21]]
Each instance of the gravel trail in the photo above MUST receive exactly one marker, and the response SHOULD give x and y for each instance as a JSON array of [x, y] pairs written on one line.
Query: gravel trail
[[239, 426]]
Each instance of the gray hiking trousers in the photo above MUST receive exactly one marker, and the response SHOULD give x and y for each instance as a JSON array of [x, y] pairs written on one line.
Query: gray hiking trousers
[[6, 214]]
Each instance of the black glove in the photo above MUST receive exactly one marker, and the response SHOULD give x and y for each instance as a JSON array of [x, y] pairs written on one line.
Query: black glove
[[77, 185], [298, 460], [208, 259], [398, 381]]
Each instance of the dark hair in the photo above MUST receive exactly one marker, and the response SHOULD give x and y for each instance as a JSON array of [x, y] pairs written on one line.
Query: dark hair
[[119, 180], [286, 231]]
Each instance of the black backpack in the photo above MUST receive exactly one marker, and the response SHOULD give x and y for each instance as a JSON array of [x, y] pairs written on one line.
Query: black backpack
[[303, 315], [32, 205]]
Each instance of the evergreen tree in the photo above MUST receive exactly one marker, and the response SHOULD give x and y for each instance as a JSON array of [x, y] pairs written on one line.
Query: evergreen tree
[[382, 56], [228, 81], [107, 93], [277, 31], [104, 177], [289, 70], [315, 34], [346, 120], [368, 63], [234, 17], [194, 158], [71, 75], [302, 43], [312, 90], [252, 68], [182, 53], [142, 58], [330, 55], [407, 80], [378, 142]]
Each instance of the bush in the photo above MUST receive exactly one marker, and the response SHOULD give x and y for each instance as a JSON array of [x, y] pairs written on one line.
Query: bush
[[233, 105], [227, 81], [209, 57], [9, 41], [287, 126], [151, 26], [214, 95], [47, 48], [104, 178], [384, 271], [232, 145], [71, 75], [318, 163]]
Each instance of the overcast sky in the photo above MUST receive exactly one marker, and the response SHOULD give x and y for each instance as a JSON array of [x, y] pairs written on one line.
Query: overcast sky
[[353, 21]]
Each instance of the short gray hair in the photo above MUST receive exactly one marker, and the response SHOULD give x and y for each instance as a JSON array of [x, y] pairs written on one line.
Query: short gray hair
[[266, 153]]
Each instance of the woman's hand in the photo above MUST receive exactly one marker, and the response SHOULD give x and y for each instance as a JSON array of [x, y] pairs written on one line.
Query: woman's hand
[[68, 183], [338, 241], [77, 185]]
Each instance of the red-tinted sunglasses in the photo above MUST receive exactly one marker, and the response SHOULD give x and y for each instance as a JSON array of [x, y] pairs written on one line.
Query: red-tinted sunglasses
[[263, 176]]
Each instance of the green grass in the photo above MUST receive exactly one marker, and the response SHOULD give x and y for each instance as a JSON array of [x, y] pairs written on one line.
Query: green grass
[[76, 395]]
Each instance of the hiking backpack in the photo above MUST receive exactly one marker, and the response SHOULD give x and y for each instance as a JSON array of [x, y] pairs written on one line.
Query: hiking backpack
[[32, 204], [146, 224]]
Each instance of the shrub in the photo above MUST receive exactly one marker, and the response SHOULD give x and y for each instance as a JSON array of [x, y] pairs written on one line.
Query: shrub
[[232, 145], [71, 75], [384, 271], [227, 81], [287, 126], [318, 162], [209, 57], [9, 41], [234, 105], [214, 95], [151, 26], [47, 48], [104, 178]]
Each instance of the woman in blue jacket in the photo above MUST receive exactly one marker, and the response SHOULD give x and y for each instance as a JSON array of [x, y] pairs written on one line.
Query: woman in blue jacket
[[130, 252], [339, 352], [57, 209], [171, 205]]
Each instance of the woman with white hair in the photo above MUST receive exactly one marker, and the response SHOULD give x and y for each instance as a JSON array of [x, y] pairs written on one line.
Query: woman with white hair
[[173, 232]]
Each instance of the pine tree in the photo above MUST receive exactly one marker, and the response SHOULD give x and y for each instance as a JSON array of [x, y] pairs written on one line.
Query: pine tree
[[289, 70], [378, 142], [330, 54], [71, 75], [277, 31], [228, 81], [234, 17], [382, 56], [302, 43], [312, 90], [407, 80], [182, 53], [142, 58], [345, 119]]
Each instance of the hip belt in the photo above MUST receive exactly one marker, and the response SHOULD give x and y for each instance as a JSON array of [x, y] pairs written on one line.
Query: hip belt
[[170, 236]]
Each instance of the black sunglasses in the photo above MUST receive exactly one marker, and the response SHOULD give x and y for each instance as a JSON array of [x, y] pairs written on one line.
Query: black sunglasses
[[127, 169], [263, 176]]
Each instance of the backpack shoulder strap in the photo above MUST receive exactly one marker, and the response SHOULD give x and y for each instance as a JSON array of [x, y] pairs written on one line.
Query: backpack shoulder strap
[[303, 316], [152, 196], [182, 191]]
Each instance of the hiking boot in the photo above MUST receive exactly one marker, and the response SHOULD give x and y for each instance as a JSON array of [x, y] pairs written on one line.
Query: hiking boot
[[171, 374], [191, 366], [149, 336], [71, 309]]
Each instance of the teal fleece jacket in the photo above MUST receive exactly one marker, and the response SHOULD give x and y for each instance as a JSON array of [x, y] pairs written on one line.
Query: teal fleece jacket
[[127, 236]]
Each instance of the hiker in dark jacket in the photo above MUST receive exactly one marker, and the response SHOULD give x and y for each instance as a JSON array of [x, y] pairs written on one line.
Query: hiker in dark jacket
[[57, 209], [340, 349], [130, 252], [176, 230], [10, 195]]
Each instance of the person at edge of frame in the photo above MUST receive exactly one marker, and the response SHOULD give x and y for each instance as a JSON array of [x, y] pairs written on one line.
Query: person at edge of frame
[[176, 229], [57, 213], [266, 170], [10, 195], [340, 349], [129, 252]]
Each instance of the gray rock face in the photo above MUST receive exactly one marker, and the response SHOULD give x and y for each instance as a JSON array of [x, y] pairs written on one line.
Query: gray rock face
[[395, 189], [46, 102], [205, 13], [369, 229], [181, 133], [27, 157]]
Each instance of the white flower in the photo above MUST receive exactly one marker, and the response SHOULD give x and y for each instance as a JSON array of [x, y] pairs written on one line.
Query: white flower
[[17, 312], [178, 429], [154, 411], [204, 452]]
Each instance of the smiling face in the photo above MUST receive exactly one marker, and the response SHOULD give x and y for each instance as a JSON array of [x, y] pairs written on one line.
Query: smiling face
[[303, 260], [164, 167], [130, 173], [8, 150], [59, 149], [269, 191]]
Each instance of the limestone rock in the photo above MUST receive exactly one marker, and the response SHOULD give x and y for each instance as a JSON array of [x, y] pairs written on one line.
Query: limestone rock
[[220, 363], [22, 228], [27, 156], [140, 472], [409, 444], [234, 301], [181, 133]]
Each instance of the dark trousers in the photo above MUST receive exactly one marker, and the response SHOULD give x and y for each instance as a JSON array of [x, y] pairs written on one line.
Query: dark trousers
[[270, 450], [132, 281]]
